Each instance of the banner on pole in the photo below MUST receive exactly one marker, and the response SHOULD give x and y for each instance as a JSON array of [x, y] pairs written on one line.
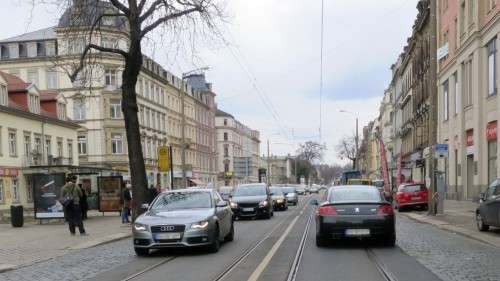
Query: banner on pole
[[164, 159]]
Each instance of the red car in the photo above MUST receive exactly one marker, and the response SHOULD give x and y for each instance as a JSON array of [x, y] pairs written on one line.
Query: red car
[[411, 195]]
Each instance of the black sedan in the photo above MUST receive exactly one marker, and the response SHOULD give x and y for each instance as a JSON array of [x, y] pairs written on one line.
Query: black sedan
[[354, 212], [252, 200], [488, 212]]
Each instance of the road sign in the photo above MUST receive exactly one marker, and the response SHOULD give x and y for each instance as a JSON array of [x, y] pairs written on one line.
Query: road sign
[[441, 150], [163, 158]]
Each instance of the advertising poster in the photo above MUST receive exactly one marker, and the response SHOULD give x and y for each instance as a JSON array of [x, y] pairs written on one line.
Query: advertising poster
[[47, 193], [110, 193]]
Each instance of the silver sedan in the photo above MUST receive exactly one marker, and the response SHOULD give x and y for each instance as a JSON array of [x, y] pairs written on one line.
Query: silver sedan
[[184, 218]]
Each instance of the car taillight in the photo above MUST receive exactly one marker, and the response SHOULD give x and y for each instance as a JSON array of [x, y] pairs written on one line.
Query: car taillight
[[385, 210], [327, 211]]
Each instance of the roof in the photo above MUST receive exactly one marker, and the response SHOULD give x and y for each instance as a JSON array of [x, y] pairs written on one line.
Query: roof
[[41, 34], [14, 83], [221, 113], [89, 13], [198, 82], [48, 95]]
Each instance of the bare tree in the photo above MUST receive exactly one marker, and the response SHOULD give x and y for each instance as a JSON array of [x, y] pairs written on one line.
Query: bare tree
[[311, 151], [346, 148], [136, 19]]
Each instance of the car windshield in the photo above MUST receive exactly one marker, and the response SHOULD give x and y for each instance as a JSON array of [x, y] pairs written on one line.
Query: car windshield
[[288, 189], [412, 188], [276, 190], [183, 200], [225, 190], [250, 190], [347, 195]]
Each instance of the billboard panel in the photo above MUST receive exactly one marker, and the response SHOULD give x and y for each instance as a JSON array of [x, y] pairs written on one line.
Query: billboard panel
[[47, 190], [110, 193]]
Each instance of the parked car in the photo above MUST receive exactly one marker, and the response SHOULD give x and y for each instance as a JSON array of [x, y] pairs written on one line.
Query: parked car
[[313, 189], [411, 195], [184, 218], [488, 212], [252, 200], [354, 212], [279, 199], [291, 195], [301, 190], [225, 192]]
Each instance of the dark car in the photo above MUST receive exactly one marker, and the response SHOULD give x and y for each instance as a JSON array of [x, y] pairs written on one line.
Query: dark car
[[252, 200], [184, 218], [279, 199], [488, 212], [354, 212]]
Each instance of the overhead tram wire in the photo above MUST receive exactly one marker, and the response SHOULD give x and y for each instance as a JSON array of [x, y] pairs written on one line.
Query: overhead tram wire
[[321, 74]]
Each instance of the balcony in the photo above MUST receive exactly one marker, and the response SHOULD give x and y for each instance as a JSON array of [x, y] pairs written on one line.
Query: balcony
[[36, 159]]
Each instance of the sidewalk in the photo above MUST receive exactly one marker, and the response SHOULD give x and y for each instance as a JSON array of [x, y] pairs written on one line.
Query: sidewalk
[[459, 217], [34, 242]]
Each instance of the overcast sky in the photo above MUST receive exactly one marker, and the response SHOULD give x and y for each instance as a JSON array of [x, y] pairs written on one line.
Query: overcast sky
[[274, 46]]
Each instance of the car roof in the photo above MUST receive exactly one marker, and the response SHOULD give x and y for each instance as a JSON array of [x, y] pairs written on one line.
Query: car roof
[[353, 187], [251, 184], [189, 190]]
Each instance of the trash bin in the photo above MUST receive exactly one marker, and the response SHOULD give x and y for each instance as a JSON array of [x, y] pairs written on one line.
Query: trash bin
[[16, 216]]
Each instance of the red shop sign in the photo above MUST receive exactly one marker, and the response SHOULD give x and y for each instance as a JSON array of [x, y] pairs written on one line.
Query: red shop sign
[[9, 172], [491, 131], [469, 137]]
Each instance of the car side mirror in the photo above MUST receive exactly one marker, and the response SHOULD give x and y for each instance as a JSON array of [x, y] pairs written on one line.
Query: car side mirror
[[271, 193], [314, 202], [145, 206], [222, 204]]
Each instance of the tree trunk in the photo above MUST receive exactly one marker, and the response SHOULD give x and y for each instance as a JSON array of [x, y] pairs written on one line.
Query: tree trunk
[[133, 64]]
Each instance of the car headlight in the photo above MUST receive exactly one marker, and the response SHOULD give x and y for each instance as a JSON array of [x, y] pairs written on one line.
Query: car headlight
[[233, 205], [280, 201], [200, 225], [139, 227], [263, 203]]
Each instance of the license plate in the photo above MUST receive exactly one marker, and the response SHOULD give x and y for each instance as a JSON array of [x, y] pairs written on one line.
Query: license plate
[[357, 232], [168, 236], [247, 209], [416, 198]]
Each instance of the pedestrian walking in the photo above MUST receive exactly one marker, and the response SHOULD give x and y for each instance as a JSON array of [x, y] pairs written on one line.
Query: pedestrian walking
[[71, 194], [127, 200], [84, 205]]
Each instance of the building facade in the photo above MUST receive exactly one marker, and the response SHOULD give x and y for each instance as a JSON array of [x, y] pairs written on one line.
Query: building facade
[[34, 132], [280, 169], [94, 99], [238, 150], [468, 101]]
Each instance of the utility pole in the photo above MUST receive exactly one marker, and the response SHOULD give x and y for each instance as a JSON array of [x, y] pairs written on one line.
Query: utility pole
[[432, 104], [268, 165], [183, 135], [356, 143]]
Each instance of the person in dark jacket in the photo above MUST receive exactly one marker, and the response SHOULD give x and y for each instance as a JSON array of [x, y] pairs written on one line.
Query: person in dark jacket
[[152, 194], [127, 200], [72, 193], [84, 205]]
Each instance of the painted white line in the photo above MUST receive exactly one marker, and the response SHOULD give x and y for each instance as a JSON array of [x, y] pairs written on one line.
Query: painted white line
[[263, 264]]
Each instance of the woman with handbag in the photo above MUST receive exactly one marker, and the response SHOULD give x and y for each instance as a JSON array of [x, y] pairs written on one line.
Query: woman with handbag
[[71, 194]]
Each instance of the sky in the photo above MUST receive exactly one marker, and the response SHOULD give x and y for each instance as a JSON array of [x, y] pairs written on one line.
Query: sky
[[267, 70]]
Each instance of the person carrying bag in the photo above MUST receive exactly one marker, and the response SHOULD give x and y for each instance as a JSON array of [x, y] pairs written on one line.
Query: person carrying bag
[[71, 194]]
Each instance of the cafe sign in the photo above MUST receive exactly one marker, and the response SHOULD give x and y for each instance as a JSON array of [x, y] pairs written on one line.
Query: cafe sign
[[491, 131]]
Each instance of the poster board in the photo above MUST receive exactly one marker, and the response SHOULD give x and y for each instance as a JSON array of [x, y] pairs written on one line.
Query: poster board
[[110, 193], [47, 189]]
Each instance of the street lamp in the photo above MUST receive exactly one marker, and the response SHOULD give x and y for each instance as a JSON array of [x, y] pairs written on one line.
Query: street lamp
[[356, 139]]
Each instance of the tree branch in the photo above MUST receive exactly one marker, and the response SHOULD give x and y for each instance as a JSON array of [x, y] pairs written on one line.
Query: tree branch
[[151, 9], [120, 6], [169, 17]]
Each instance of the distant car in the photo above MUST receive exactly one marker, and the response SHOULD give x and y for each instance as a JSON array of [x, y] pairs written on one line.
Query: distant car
[[359, 182], [184, 218], [354, 212], [313, 189], [411, 195], [301, 190], [225, 192], [488, 212], [279, 199], [252, 200], [291, 195]]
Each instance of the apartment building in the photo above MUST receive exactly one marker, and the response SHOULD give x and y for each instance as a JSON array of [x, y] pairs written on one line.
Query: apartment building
[[35, 137], [468, 102], [94, 100], [280, 169], [239, 149]]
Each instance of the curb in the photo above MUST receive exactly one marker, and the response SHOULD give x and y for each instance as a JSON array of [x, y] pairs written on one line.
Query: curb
[[6, 267], [100, 241], [452, 228]]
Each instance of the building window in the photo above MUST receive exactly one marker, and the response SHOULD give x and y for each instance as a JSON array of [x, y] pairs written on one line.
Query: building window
[[467, 83], [15, 190], [148, 117], [225, 122], [226, 167], [70, 151], [33, 76], [34, 103], [462, 18], [51, 79], [3, 95], [50, 48], [117, 144], [153, 119], [27, 144], [12, 143], [226, 150], [61, 111], [82, 145], [470, 10], [38, 144], [59, 148], [48, 146], [110, 77], [445, 101], [492, 83], [492, 161], [226, 136], [115, 108], [79, 109], [456, 93], [141, 115], [29, 189]]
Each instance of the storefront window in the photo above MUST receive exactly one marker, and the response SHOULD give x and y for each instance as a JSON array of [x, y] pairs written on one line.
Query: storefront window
[[492, 161], [1, 191], [15, 191]]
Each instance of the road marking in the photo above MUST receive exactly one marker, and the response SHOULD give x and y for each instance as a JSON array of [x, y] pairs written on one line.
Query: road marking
[[148, 269], [263, 264]]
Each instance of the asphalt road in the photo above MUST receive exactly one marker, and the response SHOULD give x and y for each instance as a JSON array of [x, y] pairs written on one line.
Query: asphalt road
[[282, 248]]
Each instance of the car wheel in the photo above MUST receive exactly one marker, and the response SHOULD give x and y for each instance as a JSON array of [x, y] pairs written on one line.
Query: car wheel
[[480, 223], [390, 241], [320, 241], [141, 252], [215, 246], [230, 236]]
